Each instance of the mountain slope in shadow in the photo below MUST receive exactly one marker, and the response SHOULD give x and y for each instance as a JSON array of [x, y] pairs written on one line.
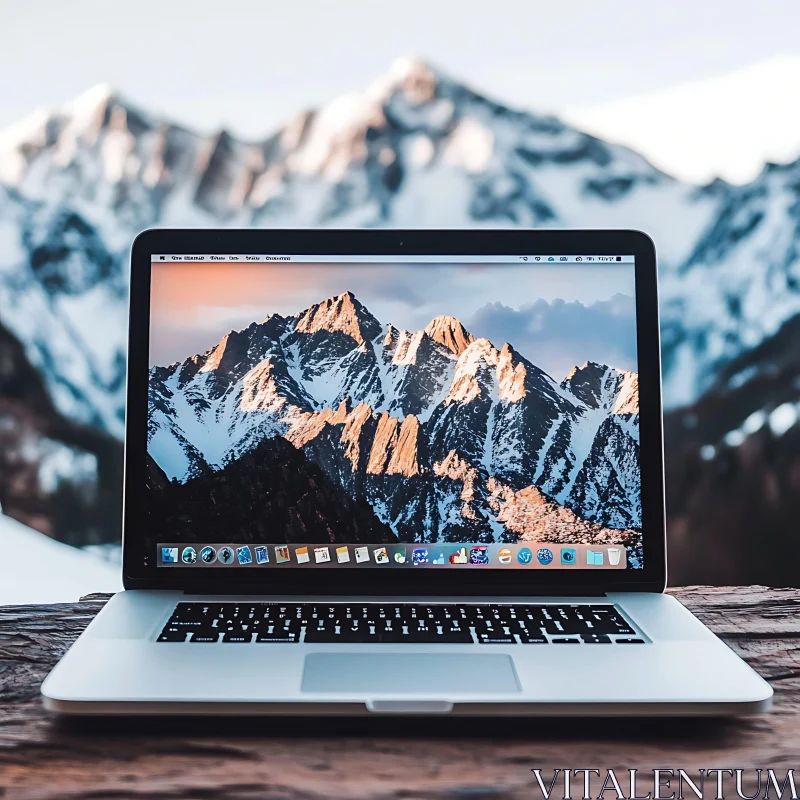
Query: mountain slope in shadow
[[270, 494]]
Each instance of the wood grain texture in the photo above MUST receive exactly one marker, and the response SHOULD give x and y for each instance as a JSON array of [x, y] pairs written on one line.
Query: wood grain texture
[[279, 759]]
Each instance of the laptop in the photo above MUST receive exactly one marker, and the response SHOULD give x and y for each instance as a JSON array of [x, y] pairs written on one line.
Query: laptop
[[396, 472]]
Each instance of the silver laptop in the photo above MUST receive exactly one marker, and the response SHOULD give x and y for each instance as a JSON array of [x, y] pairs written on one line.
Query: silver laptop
[[396, 472]]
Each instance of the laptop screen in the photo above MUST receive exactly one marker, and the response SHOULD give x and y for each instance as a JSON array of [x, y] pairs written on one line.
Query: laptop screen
[[393, 412]]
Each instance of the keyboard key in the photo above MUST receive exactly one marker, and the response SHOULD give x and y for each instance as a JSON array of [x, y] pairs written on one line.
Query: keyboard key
[[629, 641], [278, 637], [238, 637], [566, 641], [595, 638], [557, 627], [172, 636], [455, 637], [317, 636]]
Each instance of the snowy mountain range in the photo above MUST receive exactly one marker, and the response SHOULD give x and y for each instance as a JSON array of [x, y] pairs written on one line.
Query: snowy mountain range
[[446, 436], [416, 149]]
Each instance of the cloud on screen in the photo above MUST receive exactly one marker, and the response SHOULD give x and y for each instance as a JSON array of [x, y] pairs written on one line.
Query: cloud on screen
[[557, 335]]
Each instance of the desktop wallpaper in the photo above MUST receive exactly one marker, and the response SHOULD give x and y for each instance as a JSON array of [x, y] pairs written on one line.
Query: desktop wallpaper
[[336, 402]]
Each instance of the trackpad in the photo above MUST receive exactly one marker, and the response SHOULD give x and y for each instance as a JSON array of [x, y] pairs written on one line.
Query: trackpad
[[409, 673]]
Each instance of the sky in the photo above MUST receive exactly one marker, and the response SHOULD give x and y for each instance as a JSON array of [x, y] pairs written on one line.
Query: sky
[[250, 65], [556, 317]]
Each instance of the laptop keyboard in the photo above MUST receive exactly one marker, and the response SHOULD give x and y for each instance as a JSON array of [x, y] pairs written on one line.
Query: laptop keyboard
[[435, 623]]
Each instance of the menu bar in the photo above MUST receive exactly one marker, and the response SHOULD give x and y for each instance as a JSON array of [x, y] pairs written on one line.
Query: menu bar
[[241, 258], [535, 555]]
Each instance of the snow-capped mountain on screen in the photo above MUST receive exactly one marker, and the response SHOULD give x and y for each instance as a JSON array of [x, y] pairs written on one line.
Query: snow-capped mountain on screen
[[415, 149], [447, 437]]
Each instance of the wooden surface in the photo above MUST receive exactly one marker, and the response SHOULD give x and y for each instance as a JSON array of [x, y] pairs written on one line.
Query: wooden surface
[[42, 757]]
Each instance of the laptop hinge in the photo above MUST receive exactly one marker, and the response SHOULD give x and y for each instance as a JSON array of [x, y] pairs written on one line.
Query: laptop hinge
[[472, 597]]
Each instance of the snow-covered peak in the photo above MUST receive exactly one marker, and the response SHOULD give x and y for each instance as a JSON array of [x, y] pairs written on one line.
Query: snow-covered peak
[[405, 347], [586, 371], [224, 356], [627, 396], [84, 112], [342, 313], [604, 387], [99, 119], [91, 109], [408, 72], [472, 374], [450, 332], [512, 372]]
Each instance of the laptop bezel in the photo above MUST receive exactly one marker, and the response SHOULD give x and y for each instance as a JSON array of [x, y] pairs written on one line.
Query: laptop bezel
[[391, 581]]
